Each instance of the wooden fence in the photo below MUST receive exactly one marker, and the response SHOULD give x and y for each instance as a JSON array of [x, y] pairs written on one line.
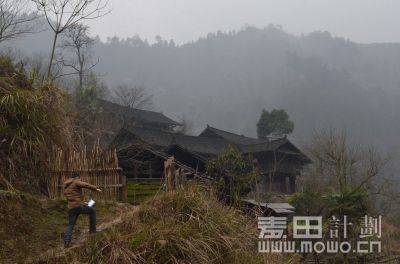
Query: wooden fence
[[95, 166]]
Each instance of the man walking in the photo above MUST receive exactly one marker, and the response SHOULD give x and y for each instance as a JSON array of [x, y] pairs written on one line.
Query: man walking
[[73, 192]]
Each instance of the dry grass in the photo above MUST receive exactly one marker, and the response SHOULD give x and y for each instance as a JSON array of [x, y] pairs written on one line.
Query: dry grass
[[32, 121], [30, 226], [182, 227], [391, 238]]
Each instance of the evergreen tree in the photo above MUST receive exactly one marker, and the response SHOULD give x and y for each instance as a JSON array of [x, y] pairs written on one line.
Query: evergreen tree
[[275, 123]]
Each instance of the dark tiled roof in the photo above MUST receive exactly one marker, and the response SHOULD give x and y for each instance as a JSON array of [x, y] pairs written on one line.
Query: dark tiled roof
[[264, 146], [131, 113], [282, 145], [203, 145], [208, 145], [152, 136], [230, 137], [253, 145]]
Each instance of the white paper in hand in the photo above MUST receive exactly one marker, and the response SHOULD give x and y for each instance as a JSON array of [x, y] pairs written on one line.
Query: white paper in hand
[[91, 203]]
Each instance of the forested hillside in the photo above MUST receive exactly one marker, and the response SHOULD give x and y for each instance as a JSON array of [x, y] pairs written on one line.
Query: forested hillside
[[225, 79]]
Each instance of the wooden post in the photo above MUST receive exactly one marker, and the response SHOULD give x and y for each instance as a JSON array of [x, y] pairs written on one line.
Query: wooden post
[[134, 171], [169, 173], [176, 178], [123, 188], [287, 185], [150, 170], [270, 181]]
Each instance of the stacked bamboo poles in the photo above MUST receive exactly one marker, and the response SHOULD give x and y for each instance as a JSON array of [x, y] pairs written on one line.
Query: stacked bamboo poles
[[96, 166]]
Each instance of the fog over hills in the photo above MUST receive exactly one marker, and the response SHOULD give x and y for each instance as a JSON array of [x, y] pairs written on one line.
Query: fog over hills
[[227, 78]]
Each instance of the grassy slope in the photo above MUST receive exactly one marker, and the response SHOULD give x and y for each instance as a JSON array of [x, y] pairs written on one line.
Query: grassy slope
[[29, 226], [182, 227]]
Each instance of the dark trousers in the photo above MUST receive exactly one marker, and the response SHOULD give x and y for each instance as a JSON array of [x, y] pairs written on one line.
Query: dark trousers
[[73, 216]]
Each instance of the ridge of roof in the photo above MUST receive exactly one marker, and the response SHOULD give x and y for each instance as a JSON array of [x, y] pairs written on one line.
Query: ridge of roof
[[144, 115], [206, 145], [227, 132], [266, 145], [232, 137]]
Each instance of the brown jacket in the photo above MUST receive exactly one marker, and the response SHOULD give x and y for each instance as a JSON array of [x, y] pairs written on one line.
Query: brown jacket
[[73, 192]]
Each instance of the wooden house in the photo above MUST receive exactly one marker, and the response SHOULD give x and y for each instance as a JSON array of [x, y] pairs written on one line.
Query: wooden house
[[142, 150]]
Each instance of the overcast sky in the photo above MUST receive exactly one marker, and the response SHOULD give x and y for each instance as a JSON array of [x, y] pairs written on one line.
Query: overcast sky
[[364, 21]]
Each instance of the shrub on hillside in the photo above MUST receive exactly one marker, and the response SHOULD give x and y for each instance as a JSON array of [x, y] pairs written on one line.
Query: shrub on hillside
[[33, 119]]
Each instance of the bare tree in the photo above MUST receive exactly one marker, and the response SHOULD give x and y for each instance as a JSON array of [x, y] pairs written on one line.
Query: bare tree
[[64, 14], [133, 96], [345, 179], [15, 19], [342, 165], [77, 40]]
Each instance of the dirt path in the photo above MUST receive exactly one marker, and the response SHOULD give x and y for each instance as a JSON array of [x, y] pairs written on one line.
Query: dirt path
[[102, 227], [60, 251]]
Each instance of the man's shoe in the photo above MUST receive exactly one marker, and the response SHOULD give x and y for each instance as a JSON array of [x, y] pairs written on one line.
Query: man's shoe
[[67, 244]]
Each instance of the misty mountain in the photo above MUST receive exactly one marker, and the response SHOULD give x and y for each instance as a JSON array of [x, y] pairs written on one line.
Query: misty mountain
[[227, 78]]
